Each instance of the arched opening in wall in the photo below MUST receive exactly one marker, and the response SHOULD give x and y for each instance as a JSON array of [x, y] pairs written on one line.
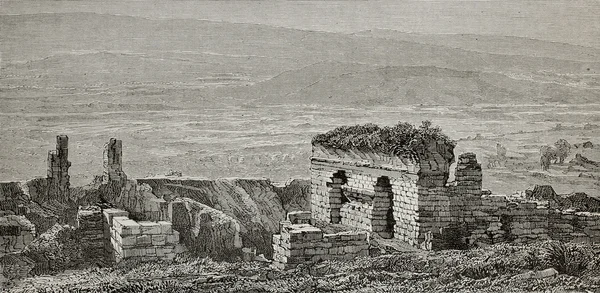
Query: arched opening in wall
[[340, 174], [384, 181], [385, 203]]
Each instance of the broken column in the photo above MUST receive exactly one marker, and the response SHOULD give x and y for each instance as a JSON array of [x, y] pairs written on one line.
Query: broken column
[[113, 161], [468, 175], [58, 170]]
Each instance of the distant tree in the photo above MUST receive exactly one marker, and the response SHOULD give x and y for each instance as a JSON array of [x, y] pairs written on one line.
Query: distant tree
[[174, 173], [563, 148], [545, 163], [500, 159], [501, 151], [426, 124], [547, 154]]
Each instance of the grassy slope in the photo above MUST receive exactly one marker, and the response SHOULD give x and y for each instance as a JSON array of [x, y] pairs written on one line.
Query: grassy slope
[[492, 269]]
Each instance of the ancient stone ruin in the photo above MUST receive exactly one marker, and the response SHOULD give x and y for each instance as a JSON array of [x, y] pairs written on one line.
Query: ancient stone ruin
[[299, 242], [113, 161], [402, 184], [406, 195], [107, 235], [15, 233], [58, 170]]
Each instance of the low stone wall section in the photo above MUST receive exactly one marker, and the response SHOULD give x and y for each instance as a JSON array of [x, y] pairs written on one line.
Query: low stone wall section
[[405, 209], [143, 240], [90, 228], [574, 226], [301, 243]]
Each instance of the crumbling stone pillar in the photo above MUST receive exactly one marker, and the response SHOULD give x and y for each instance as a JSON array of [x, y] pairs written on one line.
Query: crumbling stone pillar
[[335, 196], [326, 197], [113, 161], [58, 170], [468, 175]]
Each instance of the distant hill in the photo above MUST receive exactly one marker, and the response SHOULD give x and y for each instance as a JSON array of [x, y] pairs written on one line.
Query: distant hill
[[506, 45], [357, 84], [122, 58]]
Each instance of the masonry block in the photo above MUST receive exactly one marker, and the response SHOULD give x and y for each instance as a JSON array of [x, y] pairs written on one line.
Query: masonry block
[[109, 214], [152, 228]]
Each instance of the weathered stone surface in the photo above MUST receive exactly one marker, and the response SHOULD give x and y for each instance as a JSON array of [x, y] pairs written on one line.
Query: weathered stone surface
[[299, 243], [16, 232], [56, 250], [113, 161], [425, 211], [15, 266], [206, 231], [255, 204], [143, 240], [58, 171], [90, 227]]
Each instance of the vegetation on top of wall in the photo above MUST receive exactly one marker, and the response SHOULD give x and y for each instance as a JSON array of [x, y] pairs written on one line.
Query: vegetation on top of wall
[[398, 139]]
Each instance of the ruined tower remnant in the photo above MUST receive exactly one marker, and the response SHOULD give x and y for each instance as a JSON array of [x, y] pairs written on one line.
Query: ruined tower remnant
[[58, 170], [468, 175], [113, 161]]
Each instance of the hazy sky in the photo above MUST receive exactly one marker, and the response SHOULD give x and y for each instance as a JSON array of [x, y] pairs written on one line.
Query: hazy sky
[[569, 21]]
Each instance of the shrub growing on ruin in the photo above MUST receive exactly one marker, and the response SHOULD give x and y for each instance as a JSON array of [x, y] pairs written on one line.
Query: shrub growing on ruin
[[398, 139], [570, 259], [479, 271]]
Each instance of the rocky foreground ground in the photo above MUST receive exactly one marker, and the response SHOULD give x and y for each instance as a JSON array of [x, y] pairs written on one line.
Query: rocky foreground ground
[[540, 267]]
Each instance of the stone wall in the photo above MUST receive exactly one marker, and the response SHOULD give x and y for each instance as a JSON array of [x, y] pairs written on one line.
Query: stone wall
[[142, 240], [301, 243], [90, 226], [16, 232], [574, 226], [362, 190], [493, 219], [376, 192], [405, 208], [356, 197]]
